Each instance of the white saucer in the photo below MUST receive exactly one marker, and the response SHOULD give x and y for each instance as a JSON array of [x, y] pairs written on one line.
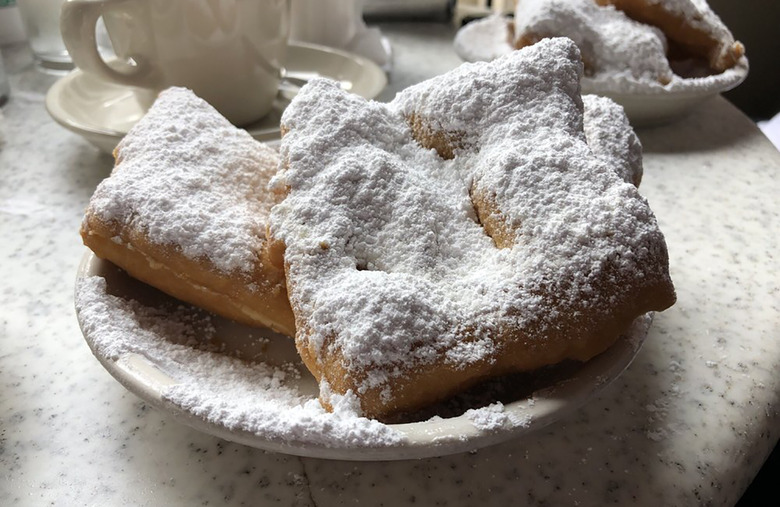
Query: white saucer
[[103, 112], [646, 104], [138, 335]]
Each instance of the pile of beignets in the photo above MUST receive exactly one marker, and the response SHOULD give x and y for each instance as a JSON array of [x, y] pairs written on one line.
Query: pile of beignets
[[648, 40], [484, 222]]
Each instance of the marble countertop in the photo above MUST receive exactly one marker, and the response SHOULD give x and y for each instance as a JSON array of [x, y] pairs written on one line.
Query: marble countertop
[[690, 422]]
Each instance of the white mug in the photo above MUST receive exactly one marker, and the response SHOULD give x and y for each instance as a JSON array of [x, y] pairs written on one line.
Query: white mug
[[229, 52], [331, 23]]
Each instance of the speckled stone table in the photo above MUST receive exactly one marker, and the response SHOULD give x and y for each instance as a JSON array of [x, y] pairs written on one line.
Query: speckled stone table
[[689, 423]]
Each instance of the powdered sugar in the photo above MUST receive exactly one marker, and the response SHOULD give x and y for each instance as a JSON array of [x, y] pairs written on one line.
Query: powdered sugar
[[699, 15], [190, 191], [610, 42], [493, 417], [258, 397], [273, 400], [387, 260], [609, 136], [626, 57]]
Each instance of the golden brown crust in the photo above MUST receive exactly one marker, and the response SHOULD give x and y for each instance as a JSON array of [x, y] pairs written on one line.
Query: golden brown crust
[[259, 300], [445, 143], [687, 39]]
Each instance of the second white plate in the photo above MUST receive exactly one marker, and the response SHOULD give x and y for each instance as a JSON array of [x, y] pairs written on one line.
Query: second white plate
[[102, 112], [646, 104], [249, 386]]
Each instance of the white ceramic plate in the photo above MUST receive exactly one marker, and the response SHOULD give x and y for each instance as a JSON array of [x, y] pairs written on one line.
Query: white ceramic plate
[[645, 104], [102, 112], [146, 366]]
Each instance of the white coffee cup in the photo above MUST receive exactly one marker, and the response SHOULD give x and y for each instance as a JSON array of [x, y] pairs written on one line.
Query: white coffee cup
[[328, 22], [229, 52]]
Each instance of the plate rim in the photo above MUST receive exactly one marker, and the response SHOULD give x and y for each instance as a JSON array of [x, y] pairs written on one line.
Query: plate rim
[[424, 439]]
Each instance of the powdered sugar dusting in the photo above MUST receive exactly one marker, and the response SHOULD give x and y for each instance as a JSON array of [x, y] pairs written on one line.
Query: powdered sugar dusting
[[624, 56], [387, 260], [699, 14], [609, 136], [268, 400], [255, 397], [493, 417], [610, 42], [199, 190]]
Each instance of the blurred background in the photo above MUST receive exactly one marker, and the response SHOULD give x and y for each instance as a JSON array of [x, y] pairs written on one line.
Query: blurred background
[[754, 22]]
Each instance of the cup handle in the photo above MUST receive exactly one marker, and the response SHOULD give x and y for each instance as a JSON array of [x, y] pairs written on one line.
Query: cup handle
[[78, 22]]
